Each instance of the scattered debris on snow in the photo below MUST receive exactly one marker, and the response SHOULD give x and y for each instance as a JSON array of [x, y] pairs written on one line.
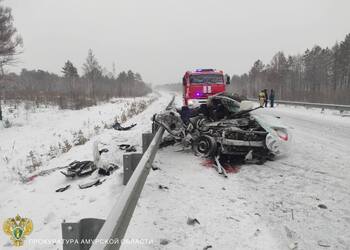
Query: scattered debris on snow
[[192, 221], [127, 147], [164, 242], [323, 243], [119, 127], [80, 168], [60, 190], [322, 206], [207, 247], [163, 187], [91, 184]]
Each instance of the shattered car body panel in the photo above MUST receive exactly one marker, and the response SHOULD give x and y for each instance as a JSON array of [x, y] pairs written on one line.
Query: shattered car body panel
[[279, 138], [226, 126]]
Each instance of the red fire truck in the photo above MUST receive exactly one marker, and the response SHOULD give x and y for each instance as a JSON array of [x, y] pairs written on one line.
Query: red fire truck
[[198, 85]]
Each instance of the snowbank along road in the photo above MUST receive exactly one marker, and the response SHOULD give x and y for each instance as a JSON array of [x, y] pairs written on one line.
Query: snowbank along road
[[301, 201]]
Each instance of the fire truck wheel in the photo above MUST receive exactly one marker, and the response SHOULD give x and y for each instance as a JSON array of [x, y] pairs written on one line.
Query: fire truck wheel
[[204, 146]]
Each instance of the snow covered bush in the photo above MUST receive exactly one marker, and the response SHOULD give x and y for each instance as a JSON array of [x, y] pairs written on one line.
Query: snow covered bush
[[123, 117], [66, 146], [97, 129], [79, 138], [7, 124], [34, 161], [53, 152]]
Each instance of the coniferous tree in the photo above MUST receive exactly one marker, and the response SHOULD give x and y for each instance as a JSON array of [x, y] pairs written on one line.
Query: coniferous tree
[[10, 42], [69, 71], [318, 75]]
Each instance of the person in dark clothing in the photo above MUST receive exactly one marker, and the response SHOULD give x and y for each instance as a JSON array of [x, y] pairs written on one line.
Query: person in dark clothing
[[272, 98], [266, 97]]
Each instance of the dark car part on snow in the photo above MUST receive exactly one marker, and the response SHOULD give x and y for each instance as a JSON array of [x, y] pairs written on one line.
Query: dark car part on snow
[[80, 168], [60, 190], [155, 168], [127, 147], [124, 146], [164, 242], [162, 187], [119, 127], [131, 149], [207, 247], [109, 170], [322, 206], [91, 184], [104, 150], [192, 221]]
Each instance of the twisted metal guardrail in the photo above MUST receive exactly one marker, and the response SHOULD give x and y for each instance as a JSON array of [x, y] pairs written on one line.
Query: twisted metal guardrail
[[98, 234]]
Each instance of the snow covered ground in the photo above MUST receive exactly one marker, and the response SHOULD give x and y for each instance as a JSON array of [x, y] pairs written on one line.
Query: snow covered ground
[[271, 206], [37, 199], [38, 135]]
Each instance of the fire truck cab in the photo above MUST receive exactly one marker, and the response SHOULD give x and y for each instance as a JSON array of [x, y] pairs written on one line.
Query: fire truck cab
[[200, 84]]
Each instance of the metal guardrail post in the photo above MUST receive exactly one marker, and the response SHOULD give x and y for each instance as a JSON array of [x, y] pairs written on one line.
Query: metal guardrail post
[[146, 141], [130, 162], [79, 236]]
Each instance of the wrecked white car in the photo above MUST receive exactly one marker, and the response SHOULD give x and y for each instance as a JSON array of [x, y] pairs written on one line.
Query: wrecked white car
[[229, 128]]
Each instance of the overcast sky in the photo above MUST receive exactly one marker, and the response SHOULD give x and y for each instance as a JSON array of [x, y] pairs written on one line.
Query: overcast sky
[[161, 39]]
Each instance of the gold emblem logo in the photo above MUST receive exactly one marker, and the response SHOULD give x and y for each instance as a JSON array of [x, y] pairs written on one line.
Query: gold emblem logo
[[18, 228]]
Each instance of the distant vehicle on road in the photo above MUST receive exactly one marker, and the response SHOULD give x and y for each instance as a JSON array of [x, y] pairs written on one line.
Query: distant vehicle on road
[[200, 84]]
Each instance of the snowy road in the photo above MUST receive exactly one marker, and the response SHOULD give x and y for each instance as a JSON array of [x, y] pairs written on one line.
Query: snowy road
[[273, 206]]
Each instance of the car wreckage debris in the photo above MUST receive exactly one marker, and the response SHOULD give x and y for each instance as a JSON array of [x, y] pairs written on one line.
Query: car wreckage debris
[[192, 221], [80, 168], [109, 170], [226, 131], [119, 127], [127, 147], [163, 187], [60, 190], [219, 167], [91, 184]]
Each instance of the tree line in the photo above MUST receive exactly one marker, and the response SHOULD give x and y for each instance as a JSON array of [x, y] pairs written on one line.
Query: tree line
[[71, 90], [318, 75], [68, 90]]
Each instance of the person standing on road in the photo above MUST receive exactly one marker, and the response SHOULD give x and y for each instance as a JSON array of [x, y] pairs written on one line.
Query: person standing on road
[[266, 97], [261, 98], [272, 98]]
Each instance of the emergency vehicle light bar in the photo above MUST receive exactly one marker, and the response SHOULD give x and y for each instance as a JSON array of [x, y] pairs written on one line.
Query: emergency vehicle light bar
[[204, 70]]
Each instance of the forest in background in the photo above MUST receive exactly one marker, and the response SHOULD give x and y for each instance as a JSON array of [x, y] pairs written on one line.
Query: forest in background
[[319, 75], [68, 90], [71, 90]]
